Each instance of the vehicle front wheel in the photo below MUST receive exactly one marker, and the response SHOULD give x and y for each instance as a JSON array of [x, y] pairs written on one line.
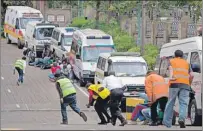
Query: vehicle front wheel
[[8, 41], [20, 46], [82, 83], [195, 118]]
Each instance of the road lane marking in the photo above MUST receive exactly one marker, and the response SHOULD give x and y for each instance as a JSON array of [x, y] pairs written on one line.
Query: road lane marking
[[26, 106], [2, 78], [9, 90], [81, 90], [18, 106]]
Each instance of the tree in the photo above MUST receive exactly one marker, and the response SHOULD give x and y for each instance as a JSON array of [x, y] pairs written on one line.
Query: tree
[[97, 13]]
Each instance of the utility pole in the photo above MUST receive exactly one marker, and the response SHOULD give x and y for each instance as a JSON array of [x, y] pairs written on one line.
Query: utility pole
[[143, 26], [139, 11]]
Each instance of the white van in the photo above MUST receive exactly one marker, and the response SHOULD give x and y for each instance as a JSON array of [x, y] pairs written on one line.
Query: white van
[[88, 44], [61, 40], [38, 33], [16, 19], [192, 48]]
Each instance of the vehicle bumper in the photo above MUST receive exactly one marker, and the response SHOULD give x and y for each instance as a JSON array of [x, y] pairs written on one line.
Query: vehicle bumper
[[39, 48], [88, 78]]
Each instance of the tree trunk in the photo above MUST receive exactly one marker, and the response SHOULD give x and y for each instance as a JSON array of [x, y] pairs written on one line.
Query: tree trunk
[[97, 13], [109, 12]]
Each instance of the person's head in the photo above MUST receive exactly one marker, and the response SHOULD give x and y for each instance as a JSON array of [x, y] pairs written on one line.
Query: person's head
[[149, 72], [54, 64], [178, 53], [111, 73], [58, 73], [23, 58]]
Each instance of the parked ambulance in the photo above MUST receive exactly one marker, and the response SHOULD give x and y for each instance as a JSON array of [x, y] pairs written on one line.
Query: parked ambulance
[[88, 44], [192, 49], [16, 20], [130, 67]]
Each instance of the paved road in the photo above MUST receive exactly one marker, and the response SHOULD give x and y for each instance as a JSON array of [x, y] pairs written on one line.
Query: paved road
[[35, 104]]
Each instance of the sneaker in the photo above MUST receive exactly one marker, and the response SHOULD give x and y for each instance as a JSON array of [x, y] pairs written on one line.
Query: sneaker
[[146, 122], [123, 123], [153, 124], [182, 124], [84, 117], [102, 123], [64, 122]]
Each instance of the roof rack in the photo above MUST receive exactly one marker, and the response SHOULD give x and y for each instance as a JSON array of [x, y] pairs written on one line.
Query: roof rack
[[137, 54]]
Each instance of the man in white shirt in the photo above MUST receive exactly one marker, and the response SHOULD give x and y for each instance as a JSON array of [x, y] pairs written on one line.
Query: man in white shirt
[[20, 66], [116, 87]]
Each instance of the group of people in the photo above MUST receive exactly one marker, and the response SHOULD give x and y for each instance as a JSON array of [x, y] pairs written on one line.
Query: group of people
[[159, 98]]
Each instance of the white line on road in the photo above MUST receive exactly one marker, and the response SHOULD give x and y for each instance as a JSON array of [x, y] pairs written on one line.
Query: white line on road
[[26, 106], [18, 106], [9, 90], [81, 90], [2, 78]]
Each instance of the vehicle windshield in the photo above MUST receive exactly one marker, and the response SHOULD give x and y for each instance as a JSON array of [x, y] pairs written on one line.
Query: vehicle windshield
[[67, 40], [44, 33], [131, 69], [91, 54], [24, 21]]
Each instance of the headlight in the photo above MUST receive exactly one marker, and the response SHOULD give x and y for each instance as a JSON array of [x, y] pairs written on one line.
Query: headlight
[[86, 72]]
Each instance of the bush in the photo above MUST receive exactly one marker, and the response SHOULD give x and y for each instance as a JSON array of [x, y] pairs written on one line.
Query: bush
[[79, 22]]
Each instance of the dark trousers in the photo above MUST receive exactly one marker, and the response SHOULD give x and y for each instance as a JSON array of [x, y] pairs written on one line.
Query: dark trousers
[[101, 108], [162, 103], [71, 101], [115, 99], [20, 73]]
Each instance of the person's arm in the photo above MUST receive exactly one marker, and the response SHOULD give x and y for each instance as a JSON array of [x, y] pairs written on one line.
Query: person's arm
[[90, 96], [143, 96], [59, 90], [148, 89], [191, 76]]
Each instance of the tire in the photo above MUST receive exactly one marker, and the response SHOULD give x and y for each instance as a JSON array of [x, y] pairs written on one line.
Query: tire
[[8, 41], [195, 118], [82, 84], [20, 46], [174, 118]]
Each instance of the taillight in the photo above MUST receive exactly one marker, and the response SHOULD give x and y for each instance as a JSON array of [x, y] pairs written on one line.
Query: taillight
[[20, 33]]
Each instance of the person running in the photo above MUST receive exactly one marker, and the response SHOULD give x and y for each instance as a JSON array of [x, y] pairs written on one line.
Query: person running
[[67, 94], [20, 66]]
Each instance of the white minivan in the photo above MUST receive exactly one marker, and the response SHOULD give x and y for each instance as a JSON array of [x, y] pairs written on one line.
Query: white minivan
[[38, 33], [88, 44], [61, 40], [16, 19], [129, 67], [192, 49]]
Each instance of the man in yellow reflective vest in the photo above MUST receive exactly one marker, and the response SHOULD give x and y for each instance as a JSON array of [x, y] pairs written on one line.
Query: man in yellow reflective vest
[[20, 66], [67, 95], [102, 96]]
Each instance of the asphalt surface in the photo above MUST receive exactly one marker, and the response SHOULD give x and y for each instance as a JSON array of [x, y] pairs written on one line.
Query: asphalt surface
[[35, 103]]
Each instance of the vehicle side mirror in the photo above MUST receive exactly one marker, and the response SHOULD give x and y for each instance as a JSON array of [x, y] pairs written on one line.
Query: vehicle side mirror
[[195, 68], [106, 74], [33, 36], [59, 43], [77, 56]]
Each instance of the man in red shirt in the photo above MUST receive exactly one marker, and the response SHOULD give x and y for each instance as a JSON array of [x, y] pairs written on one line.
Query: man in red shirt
[[54, 69]]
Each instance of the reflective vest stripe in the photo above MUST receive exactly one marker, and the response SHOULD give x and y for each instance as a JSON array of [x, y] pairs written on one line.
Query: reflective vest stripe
[[66, 87], [180, 69], [158, 83], [20, 64], [181, 76]]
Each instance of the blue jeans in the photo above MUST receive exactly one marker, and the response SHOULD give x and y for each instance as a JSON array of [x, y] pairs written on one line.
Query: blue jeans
[[147, 113], [51, 76], [183, 97], [72, 102], [20, 73], [37, 62]]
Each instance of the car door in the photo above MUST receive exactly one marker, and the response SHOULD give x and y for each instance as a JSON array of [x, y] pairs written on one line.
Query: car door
[[195, 61]]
